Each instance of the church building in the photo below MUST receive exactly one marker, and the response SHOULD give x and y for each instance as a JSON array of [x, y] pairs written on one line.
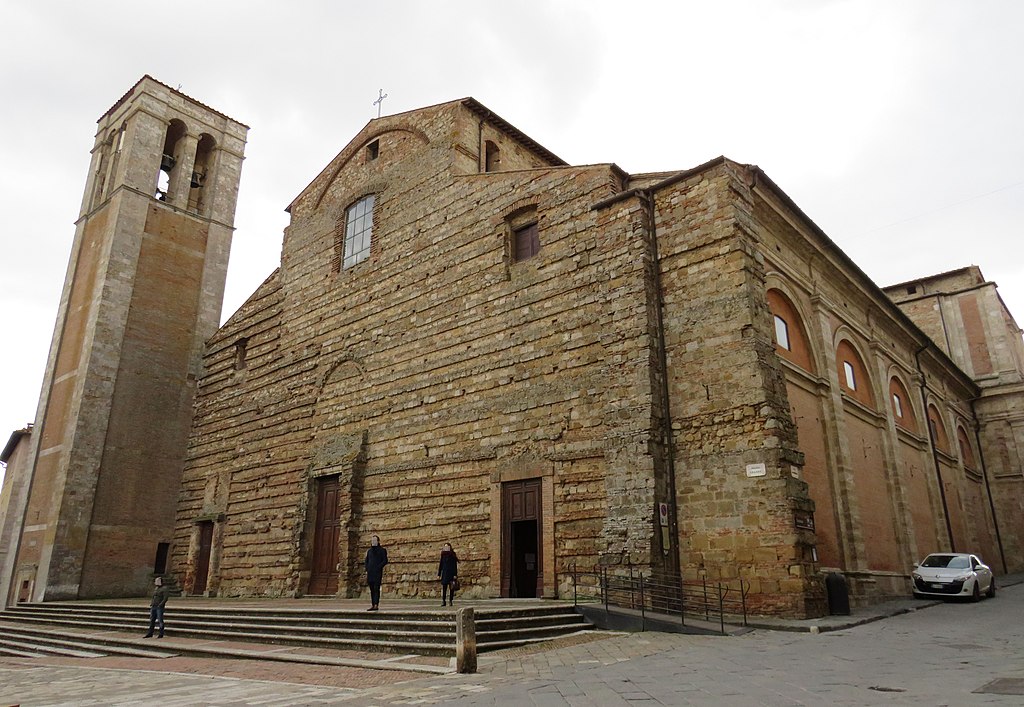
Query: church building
[[559, 368]]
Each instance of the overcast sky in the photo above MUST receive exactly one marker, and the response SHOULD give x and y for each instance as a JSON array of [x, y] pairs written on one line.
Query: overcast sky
[[898, 127]]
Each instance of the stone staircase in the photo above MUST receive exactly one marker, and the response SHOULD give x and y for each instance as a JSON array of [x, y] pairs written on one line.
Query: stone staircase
[[418, 631], [31, 642]]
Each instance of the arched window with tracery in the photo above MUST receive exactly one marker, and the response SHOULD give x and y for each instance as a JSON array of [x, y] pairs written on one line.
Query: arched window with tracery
[[790, 335], [853, 374]]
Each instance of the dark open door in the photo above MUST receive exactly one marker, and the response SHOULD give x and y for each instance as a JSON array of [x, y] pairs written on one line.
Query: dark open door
[[203, 557], [521, 561], [326, 538]]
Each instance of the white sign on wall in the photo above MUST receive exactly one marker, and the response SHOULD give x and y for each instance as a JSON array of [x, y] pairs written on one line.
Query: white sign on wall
[[756, 470]]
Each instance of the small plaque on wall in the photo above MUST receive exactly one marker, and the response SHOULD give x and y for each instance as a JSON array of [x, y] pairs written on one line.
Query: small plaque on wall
[[756, 470]]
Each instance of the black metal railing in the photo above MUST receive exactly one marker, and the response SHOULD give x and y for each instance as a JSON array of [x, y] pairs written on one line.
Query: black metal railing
[[647, 592]]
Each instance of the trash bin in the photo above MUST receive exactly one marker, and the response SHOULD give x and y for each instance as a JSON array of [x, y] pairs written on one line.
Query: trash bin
[[838, 594]]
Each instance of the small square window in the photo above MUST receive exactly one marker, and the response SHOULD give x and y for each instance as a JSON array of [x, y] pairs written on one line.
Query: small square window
[[851, 379], [911, 289], [782, 332], [897, 406], [373, 150], [526, 242]]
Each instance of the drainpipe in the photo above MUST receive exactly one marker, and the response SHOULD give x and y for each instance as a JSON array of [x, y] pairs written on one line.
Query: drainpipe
[[988, 489], [935, 452], [647, 197]]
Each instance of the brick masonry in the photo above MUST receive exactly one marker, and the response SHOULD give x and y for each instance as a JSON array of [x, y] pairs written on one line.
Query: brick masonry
[[143, 291]]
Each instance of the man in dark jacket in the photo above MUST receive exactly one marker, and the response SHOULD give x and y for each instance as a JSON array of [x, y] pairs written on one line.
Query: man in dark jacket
[[376, 558], [156, 607]]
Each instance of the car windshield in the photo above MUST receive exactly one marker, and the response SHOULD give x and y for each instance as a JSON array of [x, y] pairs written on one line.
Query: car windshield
[[953, 562]]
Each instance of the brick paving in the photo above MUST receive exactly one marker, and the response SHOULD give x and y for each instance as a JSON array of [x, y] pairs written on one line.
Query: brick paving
[[949, 653]]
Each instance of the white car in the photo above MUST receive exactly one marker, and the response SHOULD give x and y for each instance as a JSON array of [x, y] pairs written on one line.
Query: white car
[[953, 574]]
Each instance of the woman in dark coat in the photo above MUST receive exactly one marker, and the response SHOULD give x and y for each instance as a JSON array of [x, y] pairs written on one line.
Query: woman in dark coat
[[376, 558], [447, 571]]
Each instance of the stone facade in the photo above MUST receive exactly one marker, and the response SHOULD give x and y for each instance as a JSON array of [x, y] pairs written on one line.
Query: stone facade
[[629, 362], [143, 292]]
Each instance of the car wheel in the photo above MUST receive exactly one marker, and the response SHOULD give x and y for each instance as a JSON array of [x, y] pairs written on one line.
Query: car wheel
[[991, 593], [976, 594]]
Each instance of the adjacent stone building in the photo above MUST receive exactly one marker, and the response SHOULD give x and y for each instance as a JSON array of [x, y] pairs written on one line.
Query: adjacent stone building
[[468, 340], [13, 497], [963, 314]]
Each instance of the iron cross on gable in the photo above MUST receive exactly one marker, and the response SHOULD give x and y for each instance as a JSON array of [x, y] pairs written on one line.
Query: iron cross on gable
[[380, 101]]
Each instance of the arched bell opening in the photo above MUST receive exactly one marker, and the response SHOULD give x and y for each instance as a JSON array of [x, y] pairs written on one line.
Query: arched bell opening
[[170, 160], [201, 171]]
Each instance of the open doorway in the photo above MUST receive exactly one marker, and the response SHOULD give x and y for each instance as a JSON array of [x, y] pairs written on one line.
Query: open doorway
[[521, 543]]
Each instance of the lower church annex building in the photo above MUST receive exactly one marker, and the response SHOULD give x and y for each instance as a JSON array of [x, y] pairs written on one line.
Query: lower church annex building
[[552, 366]]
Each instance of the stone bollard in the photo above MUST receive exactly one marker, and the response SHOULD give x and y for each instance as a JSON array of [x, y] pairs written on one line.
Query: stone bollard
[[465, 641]]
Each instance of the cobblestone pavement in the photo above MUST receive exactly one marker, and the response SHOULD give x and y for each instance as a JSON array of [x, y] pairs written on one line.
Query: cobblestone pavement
[[955, 653]]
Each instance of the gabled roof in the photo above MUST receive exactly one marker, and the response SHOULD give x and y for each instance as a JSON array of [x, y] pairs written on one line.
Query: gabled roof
[[127, 95], [489, 115], [12, 443], [940, 276], [471, 104]]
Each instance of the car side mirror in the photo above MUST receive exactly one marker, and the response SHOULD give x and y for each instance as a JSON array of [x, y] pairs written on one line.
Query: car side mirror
[[916, 565]]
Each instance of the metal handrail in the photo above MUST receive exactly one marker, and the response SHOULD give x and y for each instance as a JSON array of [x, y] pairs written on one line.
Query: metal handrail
[[638, 591]]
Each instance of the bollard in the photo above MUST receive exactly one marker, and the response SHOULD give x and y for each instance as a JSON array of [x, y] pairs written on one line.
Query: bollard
[[465, 641]]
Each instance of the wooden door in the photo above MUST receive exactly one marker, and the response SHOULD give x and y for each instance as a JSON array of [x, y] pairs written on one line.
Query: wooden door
[[522, 565], [203, 557], [326, 538]]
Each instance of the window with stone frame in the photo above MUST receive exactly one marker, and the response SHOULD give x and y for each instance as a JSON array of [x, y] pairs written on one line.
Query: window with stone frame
[[241, 353], [525, 242], [358, 234]]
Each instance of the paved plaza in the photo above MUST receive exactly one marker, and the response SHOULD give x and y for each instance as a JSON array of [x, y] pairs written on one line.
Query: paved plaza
[[952, 653]]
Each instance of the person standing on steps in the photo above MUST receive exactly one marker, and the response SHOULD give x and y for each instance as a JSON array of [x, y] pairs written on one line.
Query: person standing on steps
[[156, 607], [448, 572], [376, 558]]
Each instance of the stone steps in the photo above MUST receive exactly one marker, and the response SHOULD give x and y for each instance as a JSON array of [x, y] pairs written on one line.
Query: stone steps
[[418, 631], [25, 641]]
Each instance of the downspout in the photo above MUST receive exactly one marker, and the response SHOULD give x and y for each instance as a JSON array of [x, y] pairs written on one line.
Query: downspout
[[935, 451], [988, 489], [647, 197]]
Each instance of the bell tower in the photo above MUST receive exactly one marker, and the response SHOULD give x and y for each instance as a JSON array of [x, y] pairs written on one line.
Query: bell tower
[[143, 292]]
